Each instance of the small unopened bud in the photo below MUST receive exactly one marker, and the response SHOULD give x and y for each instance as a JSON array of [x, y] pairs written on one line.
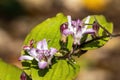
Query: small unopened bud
[[95, 26], [63, 27], [23, 76]]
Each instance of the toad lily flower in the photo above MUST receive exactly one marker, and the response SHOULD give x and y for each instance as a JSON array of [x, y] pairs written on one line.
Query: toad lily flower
[[76, 29], [41, 54]]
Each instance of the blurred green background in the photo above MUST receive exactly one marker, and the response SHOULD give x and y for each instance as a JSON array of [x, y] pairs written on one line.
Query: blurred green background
[[18, 17]]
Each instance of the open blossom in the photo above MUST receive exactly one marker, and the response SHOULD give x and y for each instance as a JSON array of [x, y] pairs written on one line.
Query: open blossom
[[76, 29], [41, 54]]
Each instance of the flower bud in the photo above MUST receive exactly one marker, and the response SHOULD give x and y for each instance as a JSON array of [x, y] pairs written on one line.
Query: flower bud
[[23, 76]]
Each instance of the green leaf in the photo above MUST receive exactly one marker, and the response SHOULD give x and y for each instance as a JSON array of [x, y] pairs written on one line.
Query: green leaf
[[9, 72], [48, 29], [61, 70], [98, 43]]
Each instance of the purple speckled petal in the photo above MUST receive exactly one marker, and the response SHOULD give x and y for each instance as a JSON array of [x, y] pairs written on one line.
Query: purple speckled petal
[[74, 23], [42, 64], [39, 51], [89, 31], [45, 46], [39, 57], [78, 21], [42, 45], [52, 51], [67, 32], [33, 52], [46, 53], [25, 57], [39, 45]]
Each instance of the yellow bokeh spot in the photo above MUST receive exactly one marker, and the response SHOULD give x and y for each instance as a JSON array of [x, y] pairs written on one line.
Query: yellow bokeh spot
[[95, 5]]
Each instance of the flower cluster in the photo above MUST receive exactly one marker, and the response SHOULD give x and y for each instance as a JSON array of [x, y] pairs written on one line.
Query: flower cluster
[[77, 29], [41, 53]]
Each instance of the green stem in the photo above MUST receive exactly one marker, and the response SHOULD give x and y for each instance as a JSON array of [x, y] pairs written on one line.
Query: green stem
[[98, 38]]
